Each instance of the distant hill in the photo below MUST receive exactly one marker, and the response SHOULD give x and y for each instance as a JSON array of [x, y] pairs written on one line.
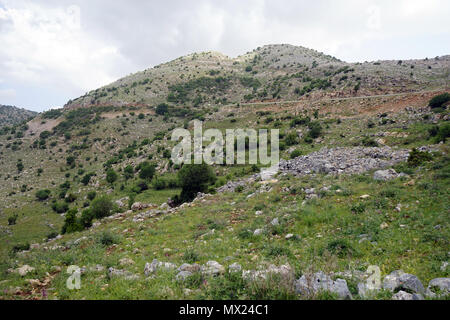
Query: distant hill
[[271, 72], [10, 115]]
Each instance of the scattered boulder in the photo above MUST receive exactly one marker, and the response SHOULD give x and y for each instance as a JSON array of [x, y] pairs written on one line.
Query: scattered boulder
[[438, 287], [403, 295], [183, 275], [235, 267], [189, 267], [318, 282], [258, 232], [126, 262], [24, 270], [158, 265], [399, 280], [385, 175], [212, 268], [127, 275]]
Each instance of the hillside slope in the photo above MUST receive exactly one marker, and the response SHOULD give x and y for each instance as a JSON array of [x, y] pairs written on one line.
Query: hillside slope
[[10, 115], [328, 209], [272, 72]]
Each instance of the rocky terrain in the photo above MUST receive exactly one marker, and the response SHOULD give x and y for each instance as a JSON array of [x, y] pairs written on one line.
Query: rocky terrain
[[357, 210], [10, 115]]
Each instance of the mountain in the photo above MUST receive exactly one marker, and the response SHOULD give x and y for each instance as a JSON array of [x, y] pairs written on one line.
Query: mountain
[[363, 183], [10, 115], [272, 72]]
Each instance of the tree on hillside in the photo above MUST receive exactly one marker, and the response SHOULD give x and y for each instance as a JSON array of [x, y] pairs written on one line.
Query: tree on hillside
[[194, 178]]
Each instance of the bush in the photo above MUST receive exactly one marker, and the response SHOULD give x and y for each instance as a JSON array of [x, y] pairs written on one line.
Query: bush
[[111, 176], [340, 247], [91, 195], [295, 154], [147, 171], [71, 223], [12, 220], [162, 109], [159, 183], [87, 178], [439, 100], [315, 130], [60, 207], [42, 195], [107, 239], [195, 178], [86, 218], [416, 157], [291, 139], [101, 207]]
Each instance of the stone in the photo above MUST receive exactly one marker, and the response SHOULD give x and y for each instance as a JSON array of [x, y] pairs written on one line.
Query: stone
[[284, 271], [126, 262], [385, 175], [400, 280], [235, 267], [112, 272], [289, 236], [24, 270], [319, 282], [275, 222], [403, 295], [438, 287], [258, 232], [183, 275], [212, 268], [189, 267], [258, 213], [158, 265], [384, 225], [365, 196]]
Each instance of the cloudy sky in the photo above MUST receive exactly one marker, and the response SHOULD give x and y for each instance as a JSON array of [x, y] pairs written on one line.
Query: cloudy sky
[[55, 50]]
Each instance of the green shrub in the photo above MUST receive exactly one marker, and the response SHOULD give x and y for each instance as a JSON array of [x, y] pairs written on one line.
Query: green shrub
[[107, 239], [340, 247], [12, 220], [102, 207], [296, 153], [42, 195], [439, 100], [291, 139], [60, 207], [147, 171], [159, 183], [71, 223], [190, 256], [194, 178], [417, 158], [111, 176], [315, 129], [91, 195]]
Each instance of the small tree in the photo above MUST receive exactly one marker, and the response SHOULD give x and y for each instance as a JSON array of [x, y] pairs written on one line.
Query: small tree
[[111, 176], [194, 178], [101, 207], [147, 171], [439, 100], [42, 195], [162, 109], [128, 172]]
